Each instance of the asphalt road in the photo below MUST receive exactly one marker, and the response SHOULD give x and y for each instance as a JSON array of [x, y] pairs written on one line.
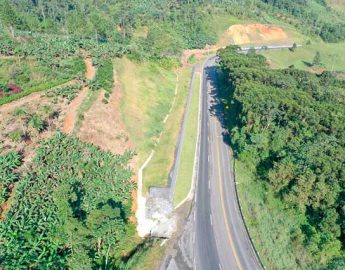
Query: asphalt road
[[269, 47], [221, 240]]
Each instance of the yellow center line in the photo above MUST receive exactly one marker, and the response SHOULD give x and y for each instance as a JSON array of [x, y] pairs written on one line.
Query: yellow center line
[[231, 241]]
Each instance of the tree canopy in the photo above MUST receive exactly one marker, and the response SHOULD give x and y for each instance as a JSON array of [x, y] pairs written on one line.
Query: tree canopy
[[290, 125]]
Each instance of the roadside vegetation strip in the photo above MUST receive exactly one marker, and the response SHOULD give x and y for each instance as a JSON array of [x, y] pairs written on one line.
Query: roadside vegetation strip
[[185, 172], [148, 94], [269, 222]]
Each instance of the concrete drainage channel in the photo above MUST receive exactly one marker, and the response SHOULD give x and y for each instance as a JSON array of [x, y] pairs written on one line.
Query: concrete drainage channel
[[155, 214]]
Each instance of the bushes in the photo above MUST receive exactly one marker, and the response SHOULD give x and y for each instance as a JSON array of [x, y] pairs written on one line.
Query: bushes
[[104, 77], [68, 92], [333, 32], [16, 135]]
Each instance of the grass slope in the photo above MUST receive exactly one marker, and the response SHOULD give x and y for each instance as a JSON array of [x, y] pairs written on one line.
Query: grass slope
[[156, 173], [147, 94], [332, 56], [185, 173]]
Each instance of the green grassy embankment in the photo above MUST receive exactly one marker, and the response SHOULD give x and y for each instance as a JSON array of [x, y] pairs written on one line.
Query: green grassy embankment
[[147, 93], [185, 173], [332, 57]]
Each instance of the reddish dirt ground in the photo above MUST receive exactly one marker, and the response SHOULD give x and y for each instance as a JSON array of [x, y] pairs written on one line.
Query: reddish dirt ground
[[71, 115], [6, 205], [255, 33], [240, 34]]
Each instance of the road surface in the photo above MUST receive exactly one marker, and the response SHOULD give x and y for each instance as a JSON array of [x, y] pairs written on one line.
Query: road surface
[[221, 240], [269, 47]]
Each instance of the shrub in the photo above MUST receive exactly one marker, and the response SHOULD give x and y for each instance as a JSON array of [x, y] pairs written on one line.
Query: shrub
[[16, 135], [19, 112], [37, 123], [15, 88]]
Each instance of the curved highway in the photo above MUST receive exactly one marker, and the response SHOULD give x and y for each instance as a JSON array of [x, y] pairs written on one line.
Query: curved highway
[[221, 239]]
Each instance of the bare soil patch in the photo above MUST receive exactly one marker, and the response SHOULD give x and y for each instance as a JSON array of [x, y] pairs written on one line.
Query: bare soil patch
[[90, 69], [337, 4], [243, 34], [102, 125], [71, 115], [6, 205], [254, 33]]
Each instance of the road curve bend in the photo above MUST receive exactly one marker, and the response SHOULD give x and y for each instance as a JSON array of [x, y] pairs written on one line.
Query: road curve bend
[[221, 239]]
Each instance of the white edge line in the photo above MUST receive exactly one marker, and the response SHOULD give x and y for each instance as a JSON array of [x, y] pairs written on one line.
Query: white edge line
[[163, 242]]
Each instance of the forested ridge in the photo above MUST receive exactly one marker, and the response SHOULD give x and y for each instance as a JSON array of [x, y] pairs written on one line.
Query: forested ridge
[[313, 16], [150, 28], [289, 125]]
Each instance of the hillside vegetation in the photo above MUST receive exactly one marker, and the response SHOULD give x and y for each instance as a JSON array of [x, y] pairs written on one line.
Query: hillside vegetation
[[313, 17], [67, 204], [30, 75], [287, 126], [50, 29]]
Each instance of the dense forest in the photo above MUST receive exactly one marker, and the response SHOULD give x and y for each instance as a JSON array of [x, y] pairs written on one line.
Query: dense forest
[[289, 125], [313, 16]]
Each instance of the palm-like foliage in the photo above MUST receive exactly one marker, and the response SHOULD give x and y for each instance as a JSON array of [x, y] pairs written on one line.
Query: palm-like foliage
[[8, 163], [75, 197]]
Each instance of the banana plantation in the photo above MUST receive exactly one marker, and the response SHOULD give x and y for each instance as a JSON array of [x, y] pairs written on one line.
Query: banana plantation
[[70, 209], [8, 163]]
